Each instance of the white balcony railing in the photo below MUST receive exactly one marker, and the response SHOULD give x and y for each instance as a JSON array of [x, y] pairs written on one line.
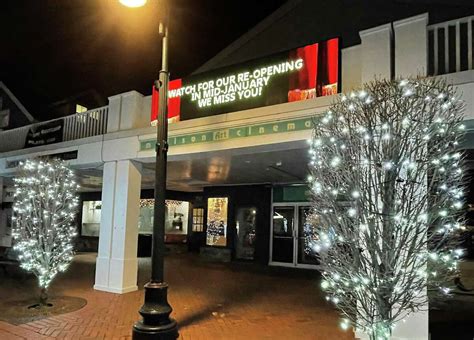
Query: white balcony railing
[[450, 46], [77, 126]]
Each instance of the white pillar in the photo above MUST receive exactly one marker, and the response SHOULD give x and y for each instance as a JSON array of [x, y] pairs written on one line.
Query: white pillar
[[351, 71], [117, 264], [411, 59], [3, 217], [411, 46], [415, 327], [128, 111], [375, 53]]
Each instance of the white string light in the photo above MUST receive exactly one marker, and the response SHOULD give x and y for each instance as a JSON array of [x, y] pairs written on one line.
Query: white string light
[[386, 185], [43, 214]]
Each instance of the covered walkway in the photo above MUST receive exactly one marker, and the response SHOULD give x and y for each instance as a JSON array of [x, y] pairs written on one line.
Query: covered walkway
[[210, 301]]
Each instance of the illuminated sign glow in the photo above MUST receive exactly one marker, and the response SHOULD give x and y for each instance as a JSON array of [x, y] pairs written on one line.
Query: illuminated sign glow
[[303, 73], [233, 87]]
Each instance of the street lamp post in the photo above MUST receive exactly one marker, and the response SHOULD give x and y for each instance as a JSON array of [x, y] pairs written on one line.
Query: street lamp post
[[156, 323]]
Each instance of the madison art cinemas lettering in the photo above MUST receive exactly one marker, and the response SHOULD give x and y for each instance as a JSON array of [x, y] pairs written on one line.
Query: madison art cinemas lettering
[[232, 133]]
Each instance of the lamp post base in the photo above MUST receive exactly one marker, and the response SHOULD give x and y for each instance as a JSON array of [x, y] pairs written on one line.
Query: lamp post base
[[143, 332], [156, 323]]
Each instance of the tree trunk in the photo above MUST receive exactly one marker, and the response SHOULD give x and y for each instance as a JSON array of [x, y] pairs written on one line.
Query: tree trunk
[[44, 296], [383, 332]]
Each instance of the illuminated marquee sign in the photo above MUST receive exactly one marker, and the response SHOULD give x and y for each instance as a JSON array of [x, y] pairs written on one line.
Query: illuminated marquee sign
[[304, 73]]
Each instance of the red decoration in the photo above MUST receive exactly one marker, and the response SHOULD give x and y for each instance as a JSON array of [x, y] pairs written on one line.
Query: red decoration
[[174, 104]]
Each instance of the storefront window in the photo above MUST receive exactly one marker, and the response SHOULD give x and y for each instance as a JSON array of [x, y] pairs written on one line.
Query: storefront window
[[217, 221], [245, 225], [145, 219], [91, 211], [176, 217]]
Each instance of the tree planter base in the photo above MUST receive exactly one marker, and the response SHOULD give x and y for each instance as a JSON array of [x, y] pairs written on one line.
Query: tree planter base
[[18, 312], [40, 305]]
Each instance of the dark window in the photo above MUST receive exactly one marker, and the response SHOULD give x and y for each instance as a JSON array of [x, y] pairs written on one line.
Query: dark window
[[431, 53], [463, 46], [441, 49], [452, 49]]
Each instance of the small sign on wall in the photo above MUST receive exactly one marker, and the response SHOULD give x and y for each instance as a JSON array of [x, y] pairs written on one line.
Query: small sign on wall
[[44, 134]]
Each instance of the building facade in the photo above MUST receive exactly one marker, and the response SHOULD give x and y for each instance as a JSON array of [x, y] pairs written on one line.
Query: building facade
[[236, 179]]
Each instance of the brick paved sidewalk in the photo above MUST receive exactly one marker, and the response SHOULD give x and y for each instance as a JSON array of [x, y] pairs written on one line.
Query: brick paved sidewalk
[[210, 301]]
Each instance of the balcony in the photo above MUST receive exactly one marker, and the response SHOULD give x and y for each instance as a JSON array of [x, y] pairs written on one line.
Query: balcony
[[77, 126], [450, 46]]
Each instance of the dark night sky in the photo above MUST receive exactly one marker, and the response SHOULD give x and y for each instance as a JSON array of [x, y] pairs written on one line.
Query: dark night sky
[[53, 49]]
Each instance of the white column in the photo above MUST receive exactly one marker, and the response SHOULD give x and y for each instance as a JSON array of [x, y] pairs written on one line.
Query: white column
[[127, 111], [375, 53], [117, 264], [411, 46], [351, 71], [411, 59], [115, 111], [415, 327], [3, 217]]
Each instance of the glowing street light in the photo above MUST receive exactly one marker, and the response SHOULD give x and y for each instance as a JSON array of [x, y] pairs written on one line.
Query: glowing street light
[[156, 323], [133, 3]]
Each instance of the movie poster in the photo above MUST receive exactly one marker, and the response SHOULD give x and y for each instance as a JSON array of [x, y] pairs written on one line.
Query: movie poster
[[217, 221]]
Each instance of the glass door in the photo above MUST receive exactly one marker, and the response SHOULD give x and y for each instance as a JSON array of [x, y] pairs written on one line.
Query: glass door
[[290, 227], [305, 256], [283, 234], [245, 227]]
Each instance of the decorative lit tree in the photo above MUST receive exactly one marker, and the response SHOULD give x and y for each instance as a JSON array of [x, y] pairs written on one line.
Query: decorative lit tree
[[44, 211], [386, 186]]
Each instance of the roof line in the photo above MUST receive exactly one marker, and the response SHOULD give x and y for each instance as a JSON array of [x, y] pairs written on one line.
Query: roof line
[[17, 102], [257, 29]]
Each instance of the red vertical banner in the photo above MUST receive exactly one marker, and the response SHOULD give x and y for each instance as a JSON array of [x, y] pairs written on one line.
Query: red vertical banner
[[333, 60], [303, 83], [311, 62], [174, 103], [328, 78]]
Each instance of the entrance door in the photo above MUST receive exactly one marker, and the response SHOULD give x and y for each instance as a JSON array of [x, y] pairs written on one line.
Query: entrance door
[[305, 258], [245, 227], [287, 248], [283, 234]]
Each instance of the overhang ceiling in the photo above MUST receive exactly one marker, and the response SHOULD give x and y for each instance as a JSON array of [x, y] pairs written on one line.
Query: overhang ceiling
[[195, 171]]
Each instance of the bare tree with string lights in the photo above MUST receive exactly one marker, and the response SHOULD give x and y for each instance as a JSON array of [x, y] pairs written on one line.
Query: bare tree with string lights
[[44, 211], [386, 184]]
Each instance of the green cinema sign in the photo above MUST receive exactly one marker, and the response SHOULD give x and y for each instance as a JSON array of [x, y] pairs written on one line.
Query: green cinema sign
[[232, 133]]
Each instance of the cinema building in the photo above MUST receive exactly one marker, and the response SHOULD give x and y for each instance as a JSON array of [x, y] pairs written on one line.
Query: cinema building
[[238, 141]]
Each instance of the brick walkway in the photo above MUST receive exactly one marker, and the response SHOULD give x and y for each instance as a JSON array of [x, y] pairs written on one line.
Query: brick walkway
[[210, 301]]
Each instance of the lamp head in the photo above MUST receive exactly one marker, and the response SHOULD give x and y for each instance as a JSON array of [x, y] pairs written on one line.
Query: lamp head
[[133, 3]]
